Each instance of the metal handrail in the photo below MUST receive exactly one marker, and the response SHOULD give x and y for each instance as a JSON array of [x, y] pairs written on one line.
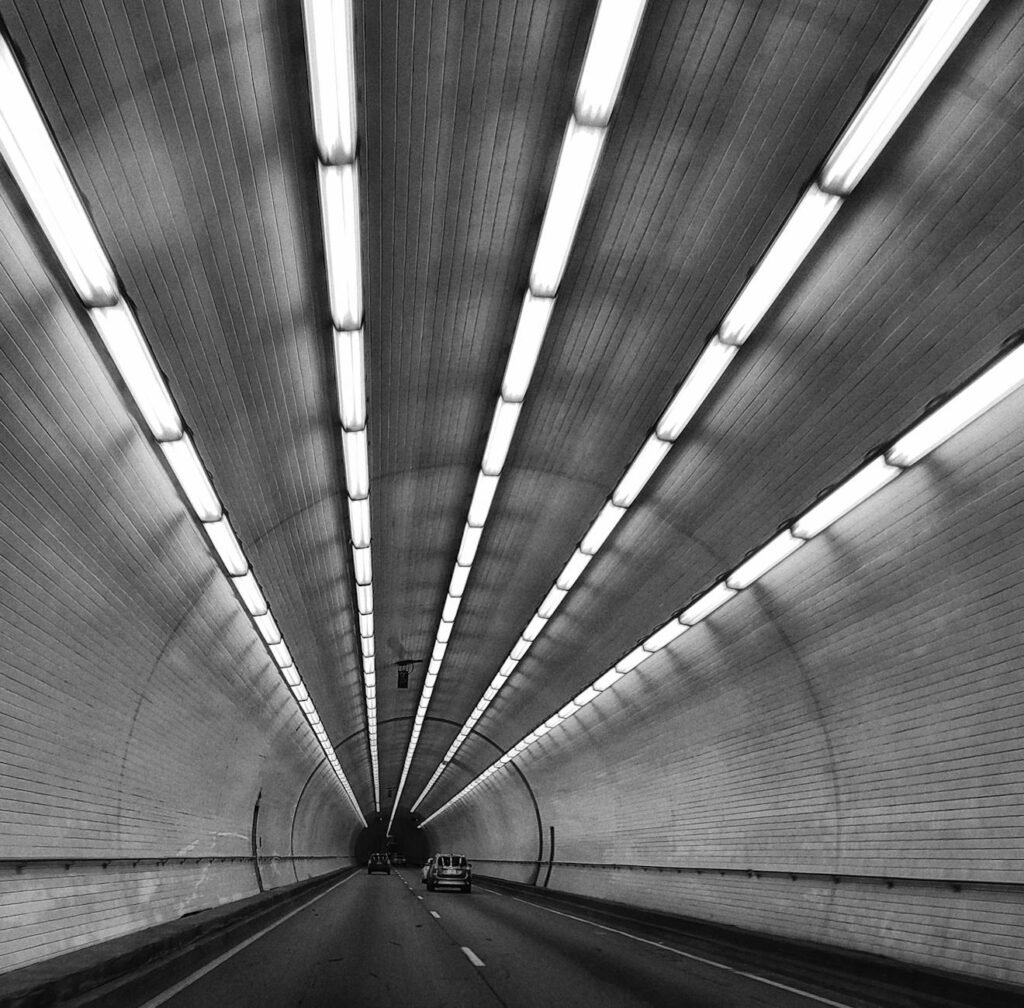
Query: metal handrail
[[836, 878]]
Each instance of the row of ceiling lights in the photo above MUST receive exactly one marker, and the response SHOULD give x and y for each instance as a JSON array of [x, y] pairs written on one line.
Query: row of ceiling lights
[[934, 35], [330, 49], [37, 167], [987, 389], [611, 43]]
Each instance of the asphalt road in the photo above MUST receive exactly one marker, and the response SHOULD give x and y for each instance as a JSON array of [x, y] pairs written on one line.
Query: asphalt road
[[384, 940]]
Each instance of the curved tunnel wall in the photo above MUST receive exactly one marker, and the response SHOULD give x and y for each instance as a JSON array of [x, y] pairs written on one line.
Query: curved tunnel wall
[[835, 755], [140, 715]]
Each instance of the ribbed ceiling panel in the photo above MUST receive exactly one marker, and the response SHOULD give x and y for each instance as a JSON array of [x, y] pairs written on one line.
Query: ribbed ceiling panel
[[187, 128]]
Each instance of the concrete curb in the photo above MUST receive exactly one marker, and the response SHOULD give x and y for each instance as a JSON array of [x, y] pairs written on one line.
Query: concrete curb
[[849, 973], [77, 974]]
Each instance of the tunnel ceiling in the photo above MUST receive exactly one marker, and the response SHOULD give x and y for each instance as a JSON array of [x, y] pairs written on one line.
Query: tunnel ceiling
[[187, 127]]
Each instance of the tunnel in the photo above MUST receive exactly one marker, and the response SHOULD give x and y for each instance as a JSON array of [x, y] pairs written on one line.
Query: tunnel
[[511, 502]]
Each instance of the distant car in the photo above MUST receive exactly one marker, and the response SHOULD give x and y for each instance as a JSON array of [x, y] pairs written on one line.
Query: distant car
[[398, 859], [450, 871], [425, 874], [378, 863]]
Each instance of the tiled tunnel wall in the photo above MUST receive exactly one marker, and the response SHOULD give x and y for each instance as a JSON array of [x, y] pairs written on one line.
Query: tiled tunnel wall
[[852, 723], [140, 716]]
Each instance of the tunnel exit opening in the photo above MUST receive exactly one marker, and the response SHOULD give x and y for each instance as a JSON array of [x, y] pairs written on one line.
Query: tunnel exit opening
[[406, 839]]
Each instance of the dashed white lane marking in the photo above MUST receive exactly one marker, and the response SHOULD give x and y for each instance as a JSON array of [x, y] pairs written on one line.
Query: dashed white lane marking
[[472, 956], [435, 915], [685, 955], [419, 897], [199, 974]]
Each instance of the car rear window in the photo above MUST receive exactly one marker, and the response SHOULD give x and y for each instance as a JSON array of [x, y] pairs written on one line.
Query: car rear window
[[451, 861]]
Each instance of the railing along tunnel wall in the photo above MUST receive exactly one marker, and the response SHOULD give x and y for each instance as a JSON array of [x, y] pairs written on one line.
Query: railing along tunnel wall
[[834, 756]]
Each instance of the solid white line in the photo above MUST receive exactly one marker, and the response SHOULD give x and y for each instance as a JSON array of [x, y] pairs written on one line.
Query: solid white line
[[472, 957], [434, 913], [686, 955], [199, 974]]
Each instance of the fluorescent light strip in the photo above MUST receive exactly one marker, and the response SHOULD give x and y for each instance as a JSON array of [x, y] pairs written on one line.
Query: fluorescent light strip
[[982, 393], [936, 33], [350, 372], [574, 173], [992, 385], [604, 68], [193, 478], [127, 347], [805, 225], [339, 204], [330, 51], [39, 170]]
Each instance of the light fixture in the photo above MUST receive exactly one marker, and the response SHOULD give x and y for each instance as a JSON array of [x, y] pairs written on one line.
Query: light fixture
[[577, 162], [469, 545], [250, 593], [366, 625], [193, 478], [280, 653], [630, 661], [222, 536], [703, 377], [935, 34], [451, 607], [39, 170], [300, 693], [851, 492], [802, 229], [359, 521], [350, 369], [268, 628], [703, 607], [979, 395], [460, 575], [444, 632], [357, 468], [767, 557], [361, 565], [503, 427], [533, 322], [552, 601], [339, 201], [611, 43], [610, 678], [483, 495], [126, 345], [661, 639], [534, 628], [330, 49], [601, 527], [640, 471], [364, 598], [366, 642], [291, 675], [439, 649], [519, 650], [571, 572]]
